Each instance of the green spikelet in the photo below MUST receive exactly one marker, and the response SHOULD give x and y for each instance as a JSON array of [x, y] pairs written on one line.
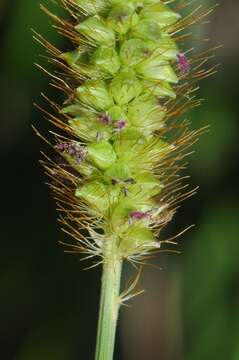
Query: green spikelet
[[126, 81]]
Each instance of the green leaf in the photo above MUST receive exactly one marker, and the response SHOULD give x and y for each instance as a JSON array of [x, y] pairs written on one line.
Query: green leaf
[[80, 62], [137, 237], [95, 29], [122, 17], [147, 29], [159, 88], [71, 57], [117, 112], [134, 51], [97, 195], [119, 171], [155, 68], [102, 154], [146, 114], [161, 14], [89, 128], [149, 185], [167, 48], [140, 153], [121, 210], [94, 93], [124, 145], [74, 110], [106, 60], [125, 87], [83, 168], [91, 7], [142, 192]]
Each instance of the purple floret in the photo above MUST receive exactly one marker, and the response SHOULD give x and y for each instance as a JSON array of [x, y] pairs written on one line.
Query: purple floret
[[120, 124], [105, 119], [75, 150], [62, 146], [183, 63], [138, 215]]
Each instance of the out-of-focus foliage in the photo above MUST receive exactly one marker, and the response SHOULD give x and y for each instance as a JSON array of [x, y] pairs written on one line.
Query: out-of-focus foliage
[[48, 304]]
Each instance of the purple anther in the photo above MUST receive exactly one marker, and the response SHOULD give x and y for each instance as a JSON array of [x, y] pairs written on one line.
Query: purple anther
[[75, 150], [120, 124], [71, 150], [138, 215], [62, 146], [183, 63], [80, 153], [105, 119]]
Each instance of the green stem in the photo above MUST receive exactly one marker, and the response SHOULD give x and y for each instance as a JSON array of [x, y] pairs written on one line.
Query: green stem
[[109, 305]]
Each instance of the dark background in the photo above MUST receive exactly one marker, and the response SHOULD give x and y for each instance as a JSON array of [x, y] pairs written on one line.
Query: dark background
[[48, 303]]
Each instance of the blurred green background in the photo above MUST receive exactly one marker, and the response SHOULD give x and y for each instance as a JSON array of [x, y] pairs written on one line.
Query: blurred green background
[[48, 304]]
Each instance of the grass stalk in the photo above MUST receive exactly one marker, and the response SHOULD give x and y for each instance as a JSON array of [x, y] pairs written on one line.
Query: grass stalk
[[109, 307]]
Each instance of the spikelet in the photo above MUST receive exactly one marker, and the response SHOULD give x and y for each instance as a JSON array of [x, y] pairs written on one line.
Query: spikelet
[[127, 81]]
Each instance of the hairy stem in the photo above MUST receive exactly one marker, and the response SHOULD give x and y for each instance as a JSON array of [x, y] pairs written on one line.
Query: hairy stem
[[109, 306]]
